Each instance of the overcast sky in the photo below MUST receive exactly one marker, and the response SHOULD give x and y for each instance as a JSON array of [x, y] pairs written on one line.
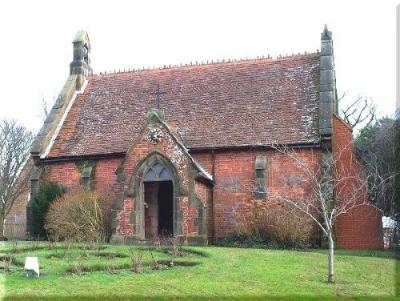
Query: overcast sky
[[36, 41]]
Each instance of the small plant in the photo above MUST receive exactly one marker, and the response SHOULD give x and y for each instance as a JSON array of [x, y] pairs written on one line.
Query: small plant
[[7, 260], [76, 270], [80, 263], [51, 244], [35, 245], [156, 265], [111, 269], [157, 243], [136, 257], [67, 245], [98, 246], [14, 248], [176, 248]]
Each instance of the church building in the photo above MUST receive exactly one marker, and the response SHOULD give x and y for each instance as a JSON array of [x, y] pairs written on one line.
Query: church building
[[183, 150]]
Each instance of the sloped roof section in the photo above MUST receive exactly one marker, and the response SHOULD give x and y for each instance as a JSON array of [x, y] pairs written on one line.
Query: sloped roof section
[[252, 102]]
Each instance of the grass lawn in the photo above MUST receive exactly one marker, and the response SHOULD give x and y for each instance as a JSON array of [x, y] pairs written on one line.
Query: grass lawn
[[201, 273]]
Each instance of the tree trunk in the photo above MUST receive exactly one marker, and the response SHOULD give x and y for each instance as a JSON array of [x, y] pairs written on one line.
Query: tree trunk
[[2, 220], [331, 259]]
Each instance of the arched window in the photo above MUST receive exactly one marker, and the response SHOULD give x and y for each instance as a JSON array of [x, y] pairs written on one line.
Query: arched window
[[158, 172]]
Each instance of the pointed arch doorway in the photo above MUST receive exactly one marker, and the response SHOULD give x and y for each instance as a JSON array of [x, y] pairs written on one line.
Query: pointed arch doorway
[[158, 201]]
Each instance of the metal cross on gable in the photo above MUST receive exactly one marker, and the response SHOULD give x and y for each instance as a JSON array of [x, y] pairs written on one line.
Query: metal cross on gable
[[158, 94]]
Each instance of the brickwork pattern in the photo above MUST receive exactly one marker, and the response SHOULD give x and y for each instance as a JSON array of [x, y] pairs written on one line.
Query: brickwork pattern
[[168, 148], [361, 227], [234, 186], [125, 226], [235, 182]]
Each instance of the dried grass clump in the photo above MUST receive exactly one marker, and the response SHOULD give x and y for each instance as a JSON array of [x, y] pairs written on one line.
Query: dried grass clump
[[277, 223], [136, 257], [81, 216]]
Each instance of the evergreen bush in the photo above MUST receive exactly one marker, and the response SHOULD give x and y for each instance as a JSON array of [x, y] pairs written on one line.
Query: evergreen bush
[[48, 192]]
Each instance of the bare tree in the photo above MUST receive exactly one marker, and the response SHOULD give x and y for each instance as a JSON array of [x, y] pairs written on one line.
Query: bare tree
[[331, 188], [45, 108], [375, 148], [15, 141], [361, 111]]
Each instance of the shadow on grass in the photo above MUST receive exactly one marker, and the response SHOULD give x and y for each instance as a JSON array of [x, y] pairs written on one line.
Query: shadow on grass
[[186, 251], [390, 254], [105, 255], [84, 269]]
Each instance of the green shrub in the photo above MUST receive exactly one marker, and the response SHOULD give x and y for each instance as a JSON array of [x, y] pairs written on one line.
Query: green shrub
[[48, 192]]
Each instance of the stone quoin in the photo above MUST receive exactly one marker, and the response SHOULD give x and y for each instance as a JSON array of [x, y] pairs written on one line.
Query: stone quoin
[[183, 150]]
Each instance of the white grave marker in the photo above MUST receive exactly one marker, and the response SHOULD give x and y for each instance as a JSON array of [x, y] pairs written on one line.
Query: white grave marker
[[31, 265]]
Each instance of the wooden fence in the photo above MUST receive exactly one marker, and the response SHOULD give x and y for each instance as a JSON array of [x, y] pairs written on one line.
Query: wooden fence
[[15, 230]]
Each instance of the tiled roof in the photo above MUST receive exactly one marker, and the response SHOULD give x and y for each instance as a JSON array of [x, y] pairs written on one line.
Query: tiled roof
[[250, 102]]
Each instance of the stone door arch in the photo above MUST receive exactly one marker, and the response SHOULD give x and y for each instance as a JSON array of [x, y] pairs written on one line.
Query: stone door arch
[[155, 168]]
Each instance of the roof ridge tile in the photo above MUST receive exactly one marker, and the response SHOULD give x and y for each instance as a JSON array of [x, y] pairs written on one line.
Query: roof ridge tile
[[212, 62]]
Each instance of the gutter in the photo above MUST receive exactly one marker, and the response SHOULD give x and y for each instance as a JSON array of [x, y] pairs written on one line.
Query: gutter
[[83, 157], [190, 150], [253, 147]]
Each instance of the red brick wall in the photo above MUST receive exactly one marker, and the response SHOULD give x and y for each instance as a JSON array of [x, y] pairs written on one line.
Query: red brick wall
[[167, 147], [64, 173], [234, 176], [234, 186], [189, 227], [67, 174], [125, 226], [205, 160], [204, 192], [105, 180], [361, 227], [234, 182]]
